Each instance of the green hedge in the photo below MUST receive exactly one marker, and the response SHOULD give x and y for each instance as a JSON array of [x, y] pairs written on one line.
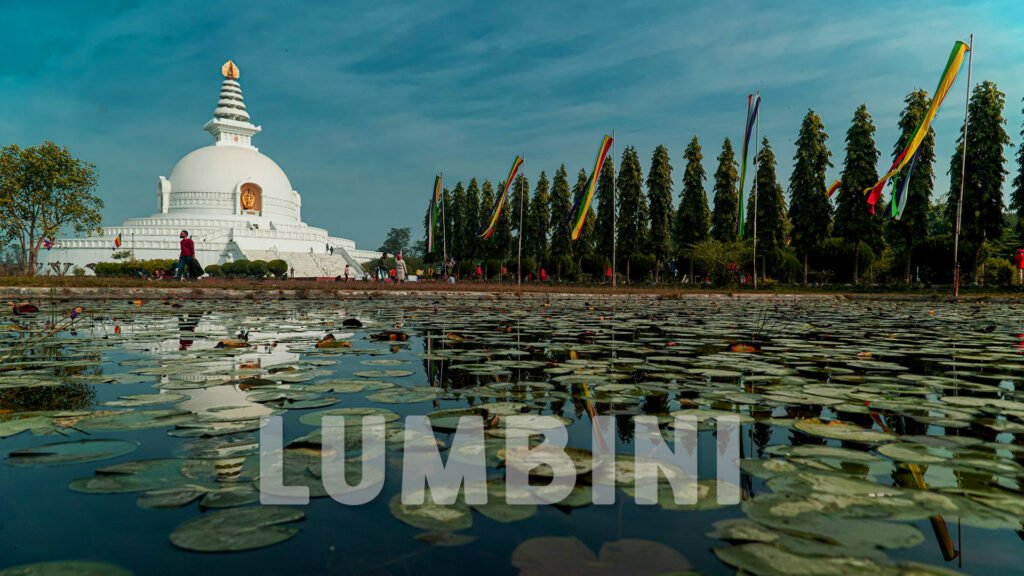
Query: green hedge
[[132, 268]]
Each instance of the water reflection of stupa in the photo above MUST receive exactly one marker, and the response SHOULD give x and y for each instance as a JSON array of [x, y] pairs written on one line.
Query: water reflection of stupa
[[235, 202]]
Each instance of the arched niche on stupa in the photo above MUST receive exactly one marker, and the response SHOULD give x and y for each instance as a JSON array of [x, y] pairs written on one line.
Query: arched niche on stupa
[[249, 198]]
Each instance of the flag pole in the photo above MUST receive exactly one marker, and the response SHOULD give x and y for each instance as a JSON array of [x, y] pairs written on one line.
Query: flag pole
[[444, 233], [615, 219], [757, 142], [519, 255], [963, 174]]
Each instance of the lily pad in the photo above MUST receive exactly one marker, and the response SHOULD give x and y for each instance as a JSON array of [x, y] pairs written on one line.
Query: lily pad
[[237, 529], [76, 452]]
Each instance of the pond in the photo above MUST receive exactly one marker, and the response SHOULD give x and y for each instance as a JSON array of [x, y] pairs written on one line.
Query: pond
[[874, 435]]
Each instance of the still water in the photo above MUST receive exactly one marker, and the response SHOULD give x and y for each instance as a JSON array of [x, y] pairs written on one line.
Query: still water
[[877, 435]]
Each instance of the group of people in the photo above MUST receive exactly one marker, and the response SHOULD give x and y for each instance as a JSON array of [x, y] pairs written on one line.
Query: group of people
[[385, 273]]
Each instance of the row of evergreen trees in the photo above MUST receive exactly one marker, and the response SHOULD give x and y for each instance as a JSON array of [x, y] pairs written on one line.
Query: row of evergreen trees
[[808, 236]]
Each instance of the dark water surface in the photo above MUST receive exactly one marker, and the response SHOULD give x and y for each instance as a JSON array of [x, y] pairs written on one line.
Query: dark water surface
[[875, 433]]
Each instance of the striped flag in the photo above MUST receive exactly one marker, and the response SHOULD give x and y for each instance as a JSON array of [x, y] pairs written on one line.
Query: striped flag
[[753, 105], [434, 204], [832, 189], [117, 242], [899, 193], [499, 202], [578, 214], [956, 58]]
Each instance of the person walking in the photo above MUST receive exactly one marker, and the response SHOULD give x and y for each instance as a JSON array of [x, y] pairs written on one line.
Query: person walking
[[187, 255], [400, 269], [348, 272]]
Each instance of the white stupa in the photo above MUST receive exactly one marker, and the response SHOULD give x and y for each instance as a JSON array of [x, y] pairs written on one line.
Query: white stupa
[[235, 202]]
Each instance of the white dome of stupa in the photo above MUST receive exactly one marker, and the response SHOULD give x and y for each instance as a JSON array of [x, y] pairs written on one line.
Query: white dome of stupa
[[209, 179]]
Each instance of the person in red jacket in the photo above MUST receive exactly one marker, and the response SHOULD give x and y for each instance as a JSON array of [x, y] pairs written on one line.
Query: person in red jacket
[[187, 255], [543, 275], [1020, 265]]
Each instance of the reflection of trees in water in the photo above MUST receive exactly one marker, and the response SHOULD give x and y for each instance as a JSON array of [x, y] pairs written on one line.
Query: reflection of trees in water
[[69, 396], [798, 438], [75, 396]]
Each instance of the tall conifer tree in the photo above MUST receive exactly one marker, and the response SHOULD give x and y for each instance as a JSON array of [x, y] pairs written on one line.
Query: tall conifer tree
[[632, 207], [854, 221], [561, 205], [772, 223], [911, 229], [537, 229], [459, 223], [808, 207], [694, 218], [473, 248], [660, 201], [1017, 195], [982, 214], [727, 202], [605, 228]]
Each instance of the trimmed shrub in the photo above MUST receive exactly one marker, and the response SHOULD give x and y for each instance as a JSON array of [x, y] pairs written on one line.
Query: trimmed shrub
[[277, 267], [214, 270]]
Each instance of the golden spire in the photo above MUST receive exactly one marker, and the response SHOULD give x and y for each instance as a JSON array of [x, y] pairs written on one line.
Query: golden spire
[[229, 70]]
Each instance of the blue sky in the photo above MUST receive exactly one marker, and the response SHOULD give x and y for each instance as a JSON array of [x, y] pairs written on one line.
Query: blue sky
[[363, 102]]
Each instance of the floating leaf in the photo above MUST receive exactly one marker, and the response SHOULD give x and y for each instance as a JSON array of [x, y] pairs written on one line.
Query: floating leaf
[[237, 529]]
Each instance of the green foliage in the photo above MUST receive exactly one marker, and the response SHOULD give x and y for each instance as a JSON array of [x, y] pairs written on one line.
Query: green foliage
[[854, 221], [1017, 195], [694, 218], [633, 216], [536, 244], [713, 258], [131, 268], [472, 248], [79, 271], [258, 268], [982, 213], [121, 255], [276, 267], [808, 206], [398, 239], [998, 272], [772, 224], [605, 228], [44, 190], [214, 270], [912, 227], [561, 205], [727, 201], [659, 198]]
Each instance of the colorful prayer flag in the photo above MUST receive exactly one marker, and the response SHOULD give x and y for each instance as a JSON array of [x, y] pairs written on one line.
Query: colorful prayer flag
[[434, 203], [499, 202], [832, 189], [899, 193], [956, 58], [578, 215], [753, 105]]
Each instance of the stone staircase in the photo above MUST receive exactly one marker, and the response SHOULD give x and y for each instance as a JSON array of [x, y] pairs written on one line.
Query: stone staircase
[[311, 264]]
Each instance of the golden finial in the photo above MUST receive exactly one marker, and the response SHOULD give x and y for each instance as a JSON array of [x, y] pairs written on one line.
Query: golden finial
[[229, 70]]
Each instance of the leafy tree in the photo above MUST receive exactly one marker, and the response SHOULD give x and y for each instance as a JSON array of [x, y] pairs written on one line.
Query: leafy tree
[[772, 223], [473, 247], [911, 229], [445, 239], [659, 198], [397, 240], [808, 206], [537, 228], [1017, 196], [487, 247], [694, 218], [605, 228], [44, 190], [633, 217], [561, 205], [727, 201], [854, 221], [982, 214]]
